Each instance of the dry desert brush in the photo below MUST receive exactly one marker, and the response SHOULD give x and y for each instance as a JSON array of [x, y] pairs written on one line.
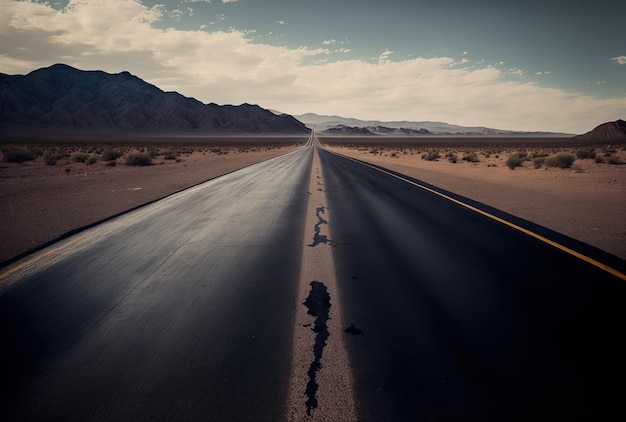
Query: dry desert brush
[[562, 160], [110, 155], [137, 158], [12, 154], [515, 160]]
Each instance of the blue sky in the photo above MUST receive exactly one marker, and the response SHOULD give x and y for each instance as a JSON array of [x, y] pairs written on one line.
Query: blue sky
[[524, 65]]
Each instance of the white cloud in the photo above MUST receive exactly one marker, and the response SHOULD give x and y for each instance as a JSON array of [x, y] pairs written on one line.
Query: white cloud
[[619, 59], [546, 72], [384, 57], [231, 68], [281, 22]]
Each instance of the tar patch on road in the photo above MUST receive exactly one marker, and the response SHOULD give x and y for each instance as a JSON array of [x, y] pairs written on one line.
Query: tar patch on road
[[318, 237], [318, 303], [354, 331]]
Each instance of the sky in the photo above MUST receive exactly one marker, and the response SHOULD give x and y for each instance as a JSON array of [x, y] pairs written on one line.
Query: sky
[[549, 65]]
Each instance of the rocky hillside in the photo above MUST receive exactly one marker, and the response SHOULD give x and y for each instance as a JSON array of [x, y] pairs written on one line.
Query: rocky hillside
[[374, 130], [347, 130], [61, 96], [614, 131]]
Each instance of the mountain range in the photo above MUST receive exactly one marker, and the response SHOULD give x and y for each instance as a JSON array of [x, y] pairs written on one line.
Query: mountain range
[[343, 125], [62, 97]]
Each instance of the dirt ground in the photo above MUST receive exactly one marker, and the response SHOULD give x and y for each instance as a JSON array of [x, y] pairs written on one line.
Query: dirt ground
[[586, 201], [40, 202]]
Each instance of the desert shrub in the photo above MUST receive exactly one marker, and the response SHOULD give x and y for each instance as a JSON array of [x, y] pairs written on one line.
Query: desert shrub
[[18, 154], [51, 157], [170, 155], [614, 160], [453, 158], [138, 158], [91, 160], [599, 159], [472, 157], [79, 157], [110, 155], [111, 163], [515, 160], [431, 155], [538, 161], [539, 154], [585, 153], [561, 160]]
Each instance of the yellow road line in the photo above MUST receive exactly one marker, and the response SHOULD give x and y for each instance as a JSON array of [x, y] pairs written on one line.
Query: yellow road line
[[501, 220]]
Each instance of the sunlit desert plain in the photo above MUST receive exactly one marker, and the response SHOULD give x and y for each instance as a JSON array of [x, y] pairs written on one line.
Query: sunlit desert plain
[[67, 186], [64, 186], [577, 188]]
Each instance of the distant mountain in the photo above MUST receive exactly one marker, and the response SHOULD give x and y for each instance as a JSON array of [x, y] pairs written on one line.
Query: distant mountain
[[322, 123], [347, 130], [607, 131], [373, 130], [63, 97], [383, 130]]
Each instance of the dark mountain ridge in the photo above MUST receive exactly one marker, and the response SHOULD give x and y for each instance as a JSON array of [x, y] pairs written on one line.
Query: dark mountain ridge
[[63, 97], [607, 131]]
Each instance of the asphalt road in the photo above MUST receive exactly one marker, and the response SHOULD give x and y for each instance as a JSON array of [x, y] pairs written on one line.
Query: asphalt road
[[461, 317], [184, 309], [179, 310]]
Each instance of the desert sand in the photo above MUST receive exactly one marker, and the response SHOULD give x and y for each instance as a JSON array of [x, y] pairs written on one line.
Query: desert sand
[[40, 203], [586, 202]]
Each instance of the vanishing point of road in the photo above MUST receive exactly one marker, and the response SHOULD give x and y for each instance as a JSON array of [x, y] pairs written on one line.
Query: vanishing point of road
[[314, 287]]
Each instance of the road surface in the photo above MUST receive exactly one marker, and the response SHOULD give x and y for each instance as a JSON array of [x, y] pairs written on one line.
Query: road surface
[[190, 308]]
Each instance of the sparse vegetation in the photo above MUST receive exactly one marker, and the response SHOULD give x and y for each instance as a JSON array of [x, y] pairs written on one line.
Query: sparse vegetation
[[138, 158], [585, 153], [18, 154], [51, 157], [79, 157], [472, 157], [110, 155], [452, 157], [515, 160], [614, 160], [431, 155], [170, 155], [538, 162], [561, 160], [91, 160]]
